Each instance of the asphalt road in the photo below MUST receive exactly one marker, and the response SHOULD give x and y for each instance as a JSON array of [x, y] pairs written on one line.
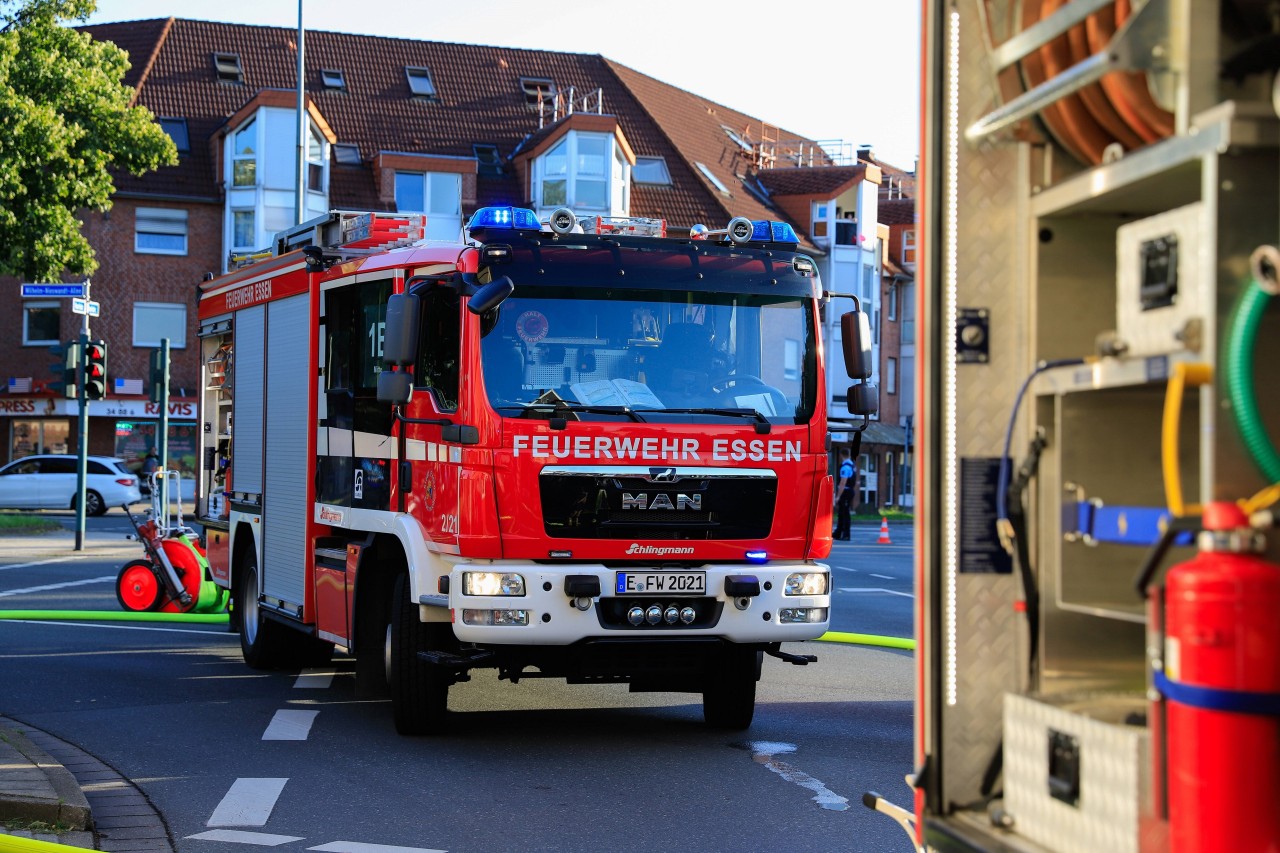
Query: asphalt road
[[534, 766]]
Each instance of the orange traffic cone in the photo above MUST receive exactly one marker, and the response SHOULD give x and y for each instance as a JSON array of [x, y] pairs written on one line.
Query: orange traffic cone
[[884, 531]]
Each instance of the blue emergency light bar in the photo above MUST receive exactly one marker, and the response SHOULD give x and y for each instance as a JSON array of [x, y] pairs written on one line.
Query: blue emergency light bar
[[513, 218], [775, 232]]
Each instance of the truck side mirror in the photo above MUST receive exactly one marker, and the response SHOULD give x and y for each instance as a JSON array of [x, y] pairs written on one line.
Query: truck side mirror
[[863, 399], [491, 295], [855, 337], [400, 338], [394, 387]]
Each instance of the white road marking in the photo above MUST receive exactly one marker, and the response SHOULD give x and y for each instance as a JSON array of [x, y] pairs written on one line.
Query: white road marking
[[314, 678], [248, 803], [874, 589], [844, 568], [53, 586], [45, 562], [763, 752], [883, 577], [114, 626], [290, 725], [360, 847], [240, 836]]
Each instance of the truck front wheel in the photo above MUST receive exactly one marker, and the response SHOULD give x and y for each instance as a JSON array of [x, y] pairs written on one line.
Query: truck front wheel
[[729, 700], [419, 690]]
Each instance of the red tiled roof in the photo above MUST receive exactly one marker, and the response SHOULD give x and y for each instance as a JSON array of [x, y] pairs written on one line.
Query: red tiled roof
[[479, 101], [827, 181], [896, 211]]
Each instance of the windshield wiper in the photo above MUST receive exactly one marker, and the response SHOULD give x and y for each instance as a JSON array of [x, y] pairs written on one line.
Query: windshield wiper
[[570, 406], [762, 425]]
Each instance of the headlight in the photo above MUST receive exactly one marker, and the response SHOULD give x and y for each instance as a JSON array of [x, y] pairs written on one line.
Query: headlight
[[806, 583], [802, 615], [494, 618], [492, 583]]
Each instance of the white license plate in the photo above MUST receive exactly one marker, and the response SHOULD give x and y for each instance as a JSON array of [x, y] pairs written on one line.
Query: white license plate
[[661, 583]]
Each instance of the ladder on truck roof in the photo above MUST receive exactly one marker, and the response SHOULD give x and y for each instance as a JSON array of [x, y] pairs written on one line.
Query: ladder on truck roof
[[348, 232]]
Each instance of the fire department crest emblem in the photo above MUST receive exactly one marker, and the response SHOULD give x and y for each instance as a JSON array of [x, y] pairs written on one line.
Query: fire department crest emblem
[[429, 491]]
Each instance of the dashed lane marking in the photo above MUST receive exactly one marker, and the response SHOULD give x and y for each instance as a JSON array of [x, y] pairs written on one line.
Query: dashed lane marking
[[874, 589], [359, 847], [248, 803], [289, 724], [764, 752], [52, 586], [240, 836], [316, 679], [884, 577]]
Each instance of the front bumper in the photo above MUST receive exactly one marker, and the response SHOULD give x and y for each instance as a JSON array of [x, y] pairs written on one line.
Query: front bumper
[[554, 618]]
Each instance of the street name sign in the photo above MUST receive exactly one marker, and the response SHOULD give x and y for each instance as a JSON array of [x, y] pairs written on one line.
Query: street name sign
[[30, 290], [85, 306]]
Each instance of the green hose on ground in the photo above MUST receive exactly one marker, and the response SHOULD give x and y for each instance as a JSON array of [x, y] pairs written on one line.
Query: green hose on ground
[[114, 616], [868, 640], [1242, 335]]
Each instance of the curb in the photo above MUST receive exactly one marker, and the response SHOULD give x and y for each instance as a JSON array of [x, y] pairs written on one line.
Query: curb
[[70, 807]]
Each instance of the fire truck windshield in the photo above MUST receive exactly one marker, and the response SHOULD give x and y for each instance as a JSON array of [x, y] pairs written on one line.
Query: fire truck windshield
[[660, 356]]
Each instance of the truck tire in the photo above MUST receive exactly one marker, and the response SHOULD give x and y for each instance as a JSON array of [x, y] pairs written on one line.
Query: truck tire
[[729, 700], [266, 644], [419, 691]]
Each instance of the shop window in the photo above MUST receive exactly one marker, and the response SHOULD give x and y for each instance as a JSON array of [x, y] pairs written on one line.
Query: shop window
[[38, 436]]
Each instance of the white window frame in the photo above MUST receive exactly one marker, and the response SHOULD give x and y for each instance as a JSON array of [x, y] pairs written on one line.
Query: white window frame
[[612, 162], [27, 340], [333, 79], [253, 128], [139, 334], [909, 247], [160, 220], [891, 300], [253, 212], [891, 375]]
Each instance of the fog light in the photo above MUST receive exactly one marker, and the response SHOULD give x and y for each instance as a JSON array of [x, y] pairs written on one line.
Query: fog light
[[806, 583], [495, 618], [492, 583], [653, 615], [672, 615], [687, 615], [635, 615], [802, 615]]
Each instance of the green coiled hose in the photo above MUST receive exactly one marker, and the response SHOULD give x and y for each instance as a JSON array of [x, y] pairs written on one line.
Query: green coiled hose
[[1242, 335]]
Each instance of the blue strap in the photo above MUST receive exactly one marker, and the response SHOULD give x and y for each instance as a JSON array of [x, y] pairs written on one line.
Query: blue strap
[[1218, 699], [1120, 525]]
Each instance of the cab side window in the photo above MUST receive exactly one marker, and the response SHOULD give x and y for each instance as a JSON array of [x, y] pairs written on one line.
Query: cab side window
[[439, 355]]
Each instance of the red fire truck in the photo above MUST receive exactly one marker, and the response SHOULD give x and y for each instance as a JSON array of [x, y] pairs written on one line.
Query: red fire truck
[[576, 449]]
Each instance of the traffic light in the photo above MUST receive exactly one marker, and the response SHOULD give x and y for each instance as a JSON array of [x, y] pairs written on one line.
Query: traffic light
[[159, 375], [95, 370], [64, 371]]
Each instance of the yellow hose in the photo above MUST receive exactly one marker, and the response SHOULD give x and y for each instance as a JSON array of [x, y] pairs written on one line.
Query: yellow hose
[[1184, 374]]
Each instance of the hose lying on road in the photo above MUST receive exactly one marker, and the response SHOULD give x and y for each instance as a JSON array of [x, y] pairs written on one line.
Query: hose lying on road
[[114, 616], [16, 844], [868, 640]]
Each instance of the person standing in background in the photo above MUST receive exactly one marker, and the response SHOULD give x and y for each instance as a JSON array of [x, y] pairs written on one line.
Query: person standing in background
[[846, 486]]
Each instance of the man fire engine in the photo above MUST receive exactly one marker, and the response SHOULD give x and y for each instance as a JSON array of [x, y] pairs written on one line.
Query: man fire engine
[[573, 449]]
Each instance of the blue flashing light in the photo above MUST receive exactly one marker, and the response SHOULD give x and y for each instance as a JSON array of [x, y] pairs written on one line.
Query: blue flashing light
[[514, 218], [784, 233], [775, 232], [757, 557]]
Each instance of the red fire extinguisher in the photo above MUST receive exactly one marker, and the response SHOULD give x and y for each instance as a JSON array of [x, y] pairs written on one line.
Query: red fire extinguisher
[[1220, 684]]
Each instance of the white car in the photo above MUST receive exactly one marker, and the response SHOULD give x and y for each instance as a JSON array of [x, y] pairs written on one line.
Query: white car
[[48, 481]]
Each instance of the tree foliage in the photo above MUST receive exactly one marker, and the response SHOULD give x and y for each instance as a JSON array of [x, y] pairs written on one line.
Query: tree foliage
[[65, 123]]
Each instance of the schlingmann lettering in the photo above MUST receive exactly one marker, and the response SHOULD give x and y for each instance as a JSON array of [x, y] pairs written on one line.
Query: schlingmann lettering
[[656, 550]]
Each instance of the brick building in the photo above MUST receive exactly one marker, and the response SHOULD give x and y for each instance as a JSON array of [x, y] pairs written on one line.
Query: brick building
[[391, 124]]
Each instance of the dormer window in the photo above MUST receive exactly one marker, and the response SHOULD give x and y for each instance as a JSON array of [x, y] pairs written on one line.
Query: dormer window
[[332, 79], [228, 67], [420, 82], [537, 90], [584, 171], [177, 130]]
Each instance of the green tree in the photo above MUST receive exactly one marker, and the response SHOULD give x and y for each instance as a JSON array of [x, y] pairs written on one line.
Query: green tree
[[65, 123]]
